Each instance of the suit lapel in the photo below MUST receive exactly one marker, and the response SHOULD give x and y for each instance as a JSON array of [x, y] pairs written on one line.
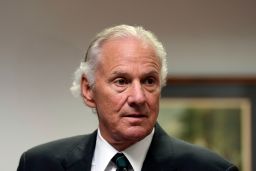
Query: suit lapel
[[80, 158], [157, 158]]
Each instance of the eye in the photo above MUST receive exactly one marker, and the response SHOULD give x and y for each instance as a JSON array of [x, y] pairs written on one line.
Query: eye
[[150, 81], [120, 82]]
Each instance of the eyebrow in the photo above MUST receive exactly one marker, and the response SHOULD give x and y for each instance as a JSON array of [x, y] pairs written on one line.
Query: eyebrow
[[125, 74], [117, 73]]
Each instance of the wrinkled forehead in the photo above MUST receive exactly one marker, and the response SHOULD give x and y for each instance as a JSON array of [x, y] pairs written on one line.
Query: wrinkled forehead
[[128, 47], [118, 44]]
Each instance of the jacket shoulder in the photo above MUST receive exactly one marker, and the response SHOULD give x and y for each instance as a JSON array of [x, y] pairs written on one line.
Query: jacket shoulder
[[182, 155], [58, 154], [58, 147], [189, 156]]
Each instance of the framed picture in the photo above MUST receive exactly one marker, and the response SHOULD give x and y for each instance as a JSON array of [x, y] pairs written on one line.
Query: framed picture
[[213, 113], [219, 124]]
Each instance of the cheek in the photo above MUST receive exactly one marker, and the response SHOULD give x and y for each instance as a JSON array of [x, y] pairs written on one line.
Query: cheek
[[119, 102], [113, 102], [153, 100], [154, 107]]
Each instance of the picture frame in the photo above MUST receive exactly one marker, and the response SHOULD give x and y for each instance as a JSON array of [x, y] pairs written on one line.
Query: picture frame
[[229, 100], [219, 124]]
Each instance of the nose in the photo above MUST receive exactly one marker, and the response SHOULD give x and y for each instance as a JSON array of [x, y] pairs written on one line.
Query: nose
[[136, 94]]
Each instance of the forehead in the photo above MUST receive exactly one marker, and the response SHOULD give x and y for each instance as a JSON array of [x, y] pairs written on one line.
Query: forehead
[[127, 49], [127, 56]]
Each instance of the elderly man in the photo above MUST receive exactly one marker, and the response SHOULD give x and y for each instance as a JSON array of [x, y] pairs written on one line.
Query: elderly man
[[121, 78]]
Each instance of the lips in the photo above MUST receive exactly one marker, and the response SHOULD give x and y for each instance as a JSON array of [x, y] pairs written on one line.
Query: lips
[[135, 115], [135, 119]]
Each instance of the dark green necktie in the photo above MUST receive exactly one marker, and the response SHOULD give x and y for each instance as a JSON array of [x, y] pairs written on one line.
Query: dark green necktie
[[121, 162]]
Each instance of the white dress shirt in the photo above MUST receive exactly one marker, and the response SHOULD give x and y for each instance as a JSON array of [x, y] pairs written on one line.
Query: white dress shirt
[[104, 152]]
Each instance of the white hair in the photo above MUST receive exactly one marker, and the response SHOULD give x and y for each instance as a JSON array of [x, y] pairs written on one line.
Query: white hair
[[89, 65]]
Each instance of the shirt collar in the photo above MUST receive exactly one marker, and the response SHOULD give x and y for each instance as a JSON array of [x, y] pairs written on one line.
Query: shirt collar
[[135, 154]]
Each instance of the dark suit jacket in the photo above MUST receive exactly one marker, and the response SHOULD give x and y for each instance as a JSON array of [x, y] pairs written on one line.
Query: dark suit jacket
[[165, 154]]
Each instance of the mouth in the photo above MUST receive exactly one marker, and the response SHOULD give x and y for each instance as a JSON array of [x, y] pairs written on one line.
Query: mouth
[[135, 118], [135, 115]]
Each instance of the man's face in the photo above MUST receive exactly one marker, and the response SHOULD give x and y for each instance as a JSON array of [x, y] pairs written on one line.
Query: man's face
[[127, 90]]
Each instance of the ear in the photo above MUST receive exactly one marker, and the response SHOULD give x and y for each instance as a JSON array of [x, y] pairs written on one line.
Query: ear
[[87, 93]]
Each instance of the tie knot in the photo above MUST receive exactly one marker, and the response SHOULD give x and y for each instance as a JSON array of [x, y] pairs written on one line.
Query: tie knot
[[121, 162]]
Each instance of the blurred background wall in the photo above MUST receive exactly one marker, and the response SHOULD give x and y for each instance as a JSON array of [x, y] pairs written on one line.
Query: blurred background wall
[[43, 41]]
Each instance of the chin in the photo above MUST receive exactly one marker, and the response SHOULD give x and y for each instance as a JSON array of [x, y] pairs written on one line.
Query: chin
[[137, 133]]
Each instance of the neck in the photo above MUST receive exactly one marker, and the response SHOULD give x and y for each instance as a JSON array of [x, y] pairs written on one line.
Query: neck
[[120, 146]]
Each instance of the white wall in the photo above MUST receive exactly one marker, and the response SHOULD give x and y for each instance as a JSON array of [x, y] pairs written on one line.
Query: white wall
[[43, 41]]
